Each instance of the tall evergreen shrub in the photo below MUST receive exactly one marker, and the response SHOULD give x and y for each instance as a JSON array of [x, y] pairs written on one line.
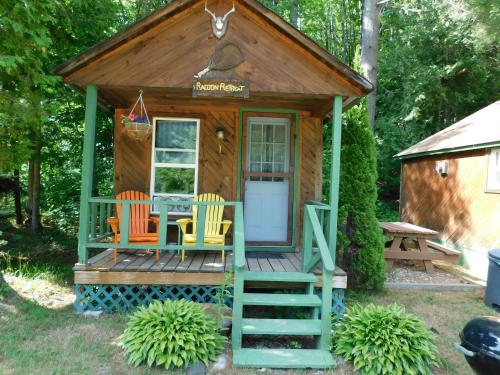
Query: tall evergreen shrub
[[360, 243]]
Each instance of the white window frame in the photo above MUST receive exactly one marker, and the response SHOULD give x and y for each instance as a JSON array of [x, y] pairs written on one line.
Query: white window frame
[[194, 166], [491, 184]]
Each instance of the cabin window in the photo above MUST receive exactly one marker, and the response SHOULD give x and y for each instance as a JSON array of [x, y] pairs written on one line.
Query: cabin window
[[494, 170], [174, 166]]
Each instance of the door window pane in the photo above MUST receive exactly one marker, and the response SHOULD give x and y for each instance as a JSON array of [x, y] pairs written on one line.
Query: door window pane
[[268, 133], [279, 153], [256, 133], [279, 134], [268, 153], [255, 152]]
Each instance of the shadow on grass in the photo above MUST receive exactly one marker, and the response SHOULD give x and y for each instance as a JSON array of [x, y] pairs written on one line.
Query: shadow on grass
[[49, 256]]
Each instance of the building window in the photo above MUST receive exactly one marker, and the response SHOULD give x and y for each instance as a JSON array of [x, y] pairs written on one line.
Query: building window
[[174, 166], [494, 170]]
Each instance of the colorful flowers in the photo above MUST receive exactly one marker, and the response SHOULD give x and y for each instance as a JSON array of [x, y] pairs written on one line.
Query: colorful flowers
[[133, 118]]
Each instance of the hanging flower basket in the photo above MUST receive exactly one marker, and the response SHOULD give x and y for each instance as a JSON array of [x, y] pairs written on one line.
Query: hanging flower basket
[[138, 126]]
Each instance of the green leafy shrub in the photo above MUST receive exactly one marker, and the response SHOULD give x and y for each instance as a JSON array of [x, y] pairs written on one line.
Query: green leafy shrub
[[360, 242], [172, 334], [384, 340]]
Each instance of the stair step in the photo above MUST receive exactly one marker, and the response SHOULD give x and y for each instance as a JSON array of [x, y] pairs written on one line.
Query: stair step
[[269, 299], [293, 277], [283, 358], [281, 327]]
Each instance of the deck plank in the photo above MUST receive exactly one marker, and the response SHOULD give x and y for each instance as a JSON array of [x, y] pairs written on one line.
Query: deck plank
[[183, 266], [196, 263], [139, 260], [276, 265], [265, 266], [297, 263], [229, 263], [146, 266], [253, 264], [99, 258], [122, 261], [172, 263], [287, 265], [209, 263], [158, 266], [218, 265]]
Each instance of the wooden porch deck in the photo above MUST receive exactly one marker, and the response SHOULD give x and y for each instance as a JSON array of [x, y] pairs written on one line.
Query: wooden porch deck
[[199, 268]]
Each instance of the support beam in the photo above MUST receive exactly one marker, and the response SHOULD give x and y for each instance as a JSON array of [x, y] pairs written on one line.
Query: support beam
[[87, 171], [335, 175]]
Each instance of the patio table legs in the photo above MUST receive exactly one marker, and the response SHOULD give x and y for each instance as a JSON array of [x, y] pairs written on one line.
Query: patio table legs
[[395, 252]]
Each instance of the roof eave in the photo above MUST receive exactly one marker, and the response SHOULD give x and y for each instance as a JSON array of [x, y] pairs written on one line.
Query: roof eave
[[402, 155]]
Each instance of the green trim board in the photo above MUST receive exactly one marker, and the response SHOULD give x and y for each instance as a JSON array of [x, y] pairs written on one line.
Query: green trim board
[[270, 249], [448, 150], [335, 175], [296, 136], [87, 171]]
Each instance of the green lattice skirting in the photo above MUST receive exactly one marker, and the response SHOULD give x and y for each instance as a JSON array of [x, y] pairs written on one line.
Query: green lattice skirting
[[122, 298]]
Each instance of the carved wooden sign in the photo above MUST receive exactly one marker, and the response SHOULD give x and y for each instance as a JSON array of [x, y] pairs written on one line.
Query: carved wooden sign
[[218, 88]]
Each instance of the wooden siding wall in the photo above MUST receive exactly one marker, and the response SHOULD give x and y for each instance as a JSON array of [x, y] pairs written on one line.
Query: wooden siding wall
[[217, 172], [310, 165], [456, 205]]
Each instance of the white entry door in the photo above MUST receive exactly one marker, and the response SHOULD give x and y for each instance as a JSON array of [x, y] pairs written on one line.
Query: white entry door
[[267, 179]]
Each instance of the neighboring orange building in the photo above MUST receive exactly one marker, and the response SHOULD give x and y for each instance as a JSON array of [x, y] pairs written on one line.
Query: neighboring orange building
[[450, 182]]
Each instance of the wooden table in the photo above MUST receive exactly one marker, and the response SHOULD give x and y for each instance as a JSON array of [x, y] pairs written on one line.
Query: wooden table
[[404, 234]]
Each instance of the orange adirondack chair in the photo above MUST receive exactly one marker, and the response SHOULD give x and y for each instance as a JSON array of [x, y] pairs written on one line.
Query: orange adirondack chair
[[139, 222], [215, 227]]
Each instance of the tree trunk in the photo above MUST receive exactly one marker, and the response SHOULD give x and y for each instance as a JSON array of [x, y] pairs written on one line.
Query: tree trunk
[[17, 198], [294, 13], [370, 30], [34, 183]]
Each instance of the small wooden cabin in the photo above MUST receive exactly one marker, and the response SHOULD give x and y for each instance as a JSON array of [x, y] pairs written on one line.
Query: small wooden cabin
[[236, 105], [450, 182]]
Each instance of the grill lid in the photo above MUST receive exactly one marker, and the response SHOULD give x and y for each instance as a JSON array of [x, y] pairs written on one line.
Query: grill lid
[[482, 335]]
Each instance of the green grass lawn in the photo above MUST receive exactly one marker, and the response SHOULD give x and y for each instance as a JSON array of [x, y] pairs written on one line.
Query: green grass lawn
[[50, 338], [40, 333]]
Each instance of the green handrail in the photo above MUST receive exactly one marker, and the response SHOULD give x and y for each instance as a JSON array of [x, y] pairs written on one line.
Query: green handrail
[[239, 238], [320, 239]]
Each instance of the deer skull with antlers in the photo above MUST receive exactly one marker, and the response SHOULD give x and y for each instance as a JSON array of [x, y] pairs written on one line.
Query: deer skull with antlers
[[219, 24]]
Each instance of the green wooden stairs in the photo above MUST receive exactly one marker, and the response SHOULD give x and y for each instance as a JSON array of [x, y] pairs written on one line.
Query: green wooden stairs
[[317, 324]]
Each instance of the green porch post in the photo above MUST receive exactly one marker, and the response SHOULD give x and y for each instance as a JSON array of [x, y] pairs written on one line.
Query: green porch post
[[87, 171], [335, 174]]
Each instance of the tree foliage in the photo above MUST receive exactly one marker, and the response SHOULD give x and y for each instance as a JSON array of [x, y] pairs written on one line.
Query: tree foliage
[[436, 67], [361, 242]]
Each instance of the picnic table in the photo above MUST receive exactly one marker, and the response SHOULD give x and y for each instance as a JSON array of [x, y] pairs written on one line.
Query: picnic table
[[406, 237]]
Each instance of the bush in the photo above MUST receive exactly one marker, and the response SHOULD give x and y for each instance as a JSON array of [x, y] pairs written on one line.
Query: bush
[[384, 340], [361, 243], [172, 334]]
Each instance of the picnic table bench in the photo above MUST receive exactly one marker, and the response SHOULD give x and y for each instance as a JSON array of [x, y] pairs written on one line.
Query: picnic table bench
[[406, 237]]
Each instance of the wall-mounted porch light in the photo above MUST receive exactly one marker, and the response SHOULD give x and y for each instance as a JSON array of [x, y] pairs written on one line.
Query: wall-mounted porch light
[[219, 133]]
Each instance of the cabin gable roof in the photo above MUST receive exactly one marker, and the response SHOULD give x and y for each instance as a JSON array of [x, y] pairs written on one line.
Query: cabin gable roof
[[167, 48], [479, 130]]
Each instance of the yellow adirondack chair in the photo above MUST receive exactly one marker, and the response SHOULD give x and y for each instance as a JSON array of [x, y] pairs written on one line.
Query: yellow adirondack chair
[[213, 224]]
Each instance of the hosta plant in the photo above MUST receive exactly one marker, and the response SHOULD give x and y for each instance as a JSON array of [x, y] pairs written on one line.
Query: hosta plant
[[171, 334], [384, 340]]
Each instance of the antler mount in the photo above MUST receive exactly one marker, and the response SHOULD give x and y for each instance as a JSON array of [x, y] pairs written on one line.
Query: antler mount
[[219, 24]]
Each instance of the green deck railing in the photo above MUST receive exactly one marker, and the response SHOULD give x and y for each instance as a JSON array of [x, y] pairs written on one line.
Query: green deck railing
[[315, 249], [100, 236], [239, 262]]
